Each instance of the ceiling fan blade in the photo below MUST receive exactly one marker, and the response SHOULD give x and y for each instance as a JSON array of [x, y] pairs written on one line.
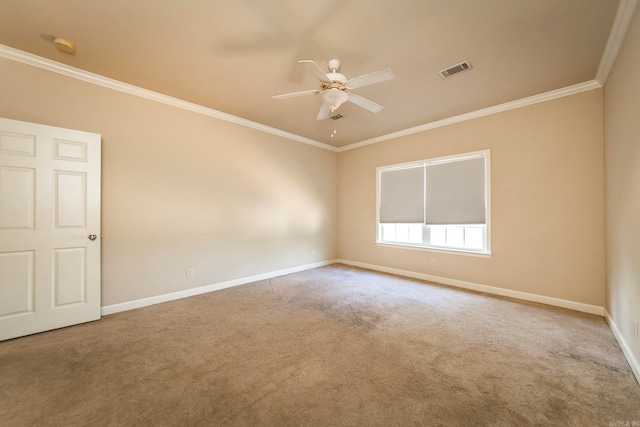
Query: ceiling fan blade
[[365, 103], [371, 78], [314, 70], [324, 112], [294, 94]]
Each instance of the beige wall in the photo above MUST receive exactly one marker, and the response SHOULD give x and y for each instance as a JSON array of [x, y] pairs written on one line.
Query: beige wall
[[184, 190], [547, 211], [622, 183]]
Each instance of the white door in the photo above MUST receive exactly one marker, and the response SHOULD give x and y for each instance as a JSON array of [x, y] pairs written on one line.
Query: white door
[[49, 228]]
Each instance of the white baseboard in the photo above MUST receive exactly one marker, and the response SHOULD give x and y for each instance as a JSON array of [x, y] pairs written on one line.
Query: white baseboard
[[587, 308], [145, 302], [633, 362], [578, 306]]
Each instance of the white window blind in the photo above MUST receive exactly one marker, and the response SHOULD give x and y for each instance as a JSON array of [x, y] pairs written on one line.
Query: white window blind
[[455, 192], [402, 193]]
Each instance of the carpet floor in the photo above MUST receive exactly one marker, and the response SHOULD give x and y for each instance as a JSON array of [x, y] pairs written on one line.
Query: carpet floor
[[331, 346]]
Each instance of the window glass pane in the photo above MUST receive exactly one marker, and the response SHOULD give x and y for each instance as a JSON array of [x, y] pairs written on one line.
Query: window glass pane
[[388, 232], [455, 236], [402, 232], [438, 235], [473, 238], [415, 233], [444, 236]]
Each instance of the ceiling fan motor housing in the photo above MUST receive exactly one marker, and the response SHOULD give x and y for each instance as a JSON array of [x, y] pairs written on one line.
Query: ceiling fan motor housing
[[337, 77]]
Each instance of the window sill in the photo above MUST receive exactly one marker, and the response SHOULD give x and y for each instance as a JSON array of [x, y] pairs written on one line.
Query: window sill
[[436, 250]]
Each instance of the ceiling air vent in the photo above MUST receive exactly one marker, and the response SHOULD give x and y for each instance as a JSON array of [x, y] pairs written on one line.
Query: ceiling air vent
[[336, 117], [458, 68]]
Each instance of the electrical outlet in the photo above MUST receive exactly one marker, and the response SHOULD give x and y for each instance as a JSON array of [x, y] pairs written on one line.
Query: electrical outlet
[[313, 252], [635, 327], [433, 261], [190, 273]]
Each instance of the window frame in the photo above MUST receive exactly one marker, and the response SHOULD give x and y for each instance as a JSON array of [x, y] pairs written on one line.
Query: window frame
[[486, 154]]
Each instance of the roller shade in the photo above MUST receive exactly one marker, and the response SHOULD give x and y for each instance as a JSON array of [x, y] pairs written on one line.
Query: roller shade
[[455, 192], [402, 193]]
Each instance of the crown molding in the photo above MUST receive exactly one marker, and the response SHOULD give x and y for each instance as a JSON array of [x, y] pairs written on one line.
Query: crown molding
[[96, 79], [616, 37], [535, 99], [625, 10], [618, 32]]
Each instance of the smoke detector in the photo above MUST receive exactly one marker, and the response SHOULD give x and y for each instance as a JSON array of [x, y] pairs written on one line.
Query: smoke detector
[[455, 69], [64, 45]]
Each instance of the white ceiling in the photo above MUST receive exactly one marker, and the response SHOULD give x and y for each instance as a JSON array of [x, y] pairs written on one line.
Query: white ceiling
[[233, 55]]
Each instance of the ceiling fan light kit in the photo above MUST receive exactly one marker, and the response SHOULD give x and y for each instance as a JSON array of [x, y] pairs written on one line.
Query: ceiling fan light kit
[[334, 87], [334, 98]]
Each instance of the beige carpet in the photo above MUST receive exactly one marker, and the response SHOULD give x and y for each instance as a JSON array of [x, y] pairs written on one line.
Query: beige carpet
[[331, 346]]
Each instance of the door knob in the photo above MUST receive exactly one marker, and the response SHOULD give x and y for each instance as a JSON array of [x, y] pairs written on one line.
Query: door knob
[[92, 237]]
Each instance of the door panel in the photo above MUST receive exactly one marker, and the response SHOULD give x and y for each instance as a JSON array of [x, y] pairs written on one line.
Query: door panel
[[17, 198], [70, 150], [16, 275], [49, 205], [69, 276], [16, 144], [70, 198]]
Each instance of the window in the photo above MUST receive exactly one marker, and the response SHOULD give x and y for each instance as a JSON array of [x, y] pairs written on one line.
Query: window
[[437, 204]]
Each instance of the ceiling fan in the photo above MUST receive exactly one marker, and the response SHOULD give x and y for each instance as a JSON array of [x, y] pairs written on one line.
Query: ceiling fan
[[334, 86]]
